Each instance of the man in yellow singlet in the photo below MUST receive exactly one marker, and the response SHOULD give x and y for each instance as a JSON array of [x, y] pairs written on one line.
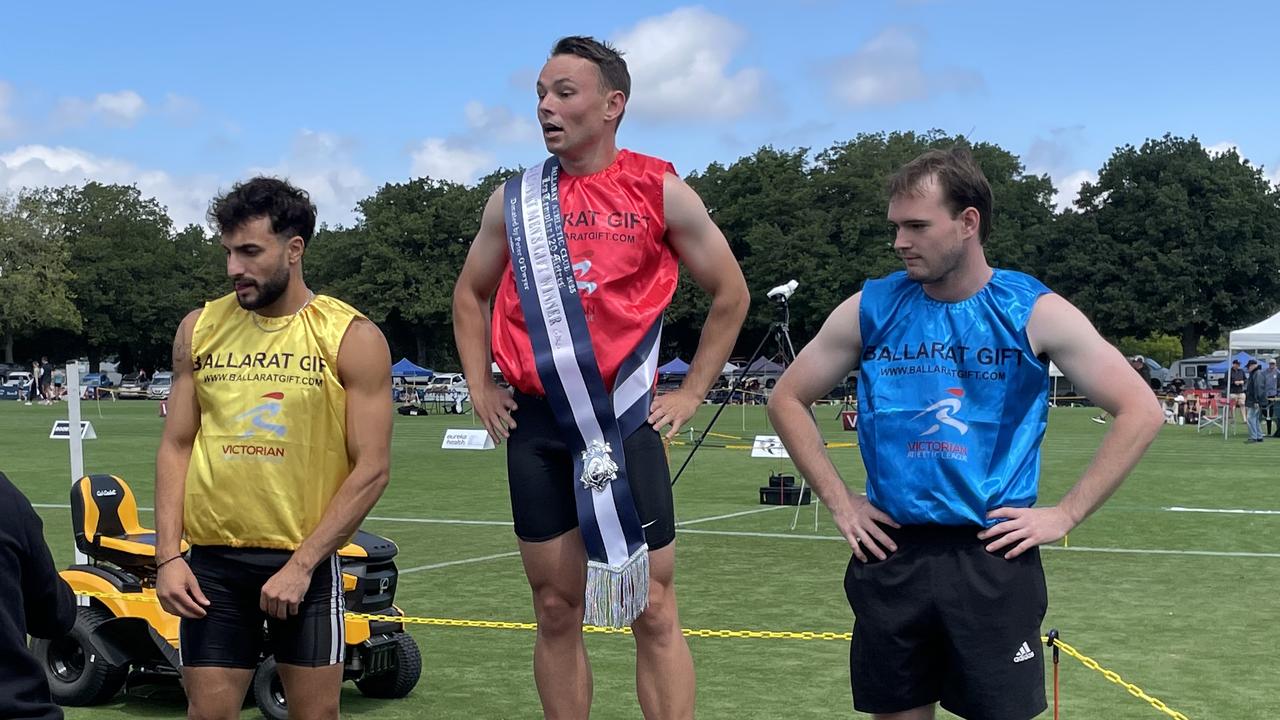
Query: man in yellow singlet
[[275, 448]]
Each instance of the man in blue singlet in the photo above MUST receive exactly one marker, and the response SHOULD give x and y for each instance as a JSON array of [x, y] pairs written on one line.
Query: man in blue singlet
[[945, 580]]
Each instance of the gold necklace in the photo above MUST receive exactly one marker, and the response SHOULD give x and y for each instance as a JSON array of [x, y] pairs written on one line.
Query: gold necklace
[[254, 316]]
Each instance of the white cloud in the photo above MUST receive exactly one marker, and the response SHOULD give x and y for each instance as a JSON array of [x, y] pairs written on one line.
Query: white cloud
[[499, 123], [679, 64], [445, 159], [8, 126], [887, 70], [321, 163], [1067, 189], [122, 108], [32, 166], [117, 109]]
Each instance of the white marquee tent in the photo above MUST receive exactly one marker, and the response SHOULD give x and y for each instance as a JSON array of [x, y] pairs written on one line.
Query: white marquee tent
[[1259, 336]]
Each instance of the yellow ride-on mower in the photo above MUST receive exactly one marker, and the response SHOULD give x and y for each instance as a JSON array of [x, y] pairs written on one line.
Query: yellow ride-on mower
[[129, 638]]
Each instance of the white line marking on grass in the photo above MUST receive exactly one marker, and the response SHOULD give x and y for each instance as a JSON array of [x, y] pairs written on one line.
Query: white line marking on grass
[[1130, 551], [753, 511], [1222, 511], [435, 566]]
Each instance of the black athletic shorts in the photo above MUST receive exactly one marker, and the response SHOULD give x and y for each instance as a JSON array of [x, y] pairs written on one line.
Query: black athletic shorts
[[540, 473], [236, 633], [943, 620]]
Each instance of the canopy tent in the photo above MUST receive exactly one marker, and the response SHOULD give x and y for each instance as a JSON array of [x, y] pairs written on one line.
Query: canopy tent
[[1262, 336], [1221, 367], [1259, 336], [675, 367], [729, 369], [765, 366], [406, 368]]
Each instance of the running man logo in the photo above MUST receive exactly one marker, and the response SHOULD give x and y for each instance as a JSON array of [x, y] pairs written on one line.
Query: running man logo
[[946, 407], [259, 416], [580, 270]]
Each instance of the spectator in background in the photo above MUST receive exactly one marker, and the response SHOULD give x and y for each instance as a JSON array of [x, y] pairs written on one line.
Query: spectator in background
[[1255, 397], [35, 601], [1235, 387], [46, 381], [1271, 378]]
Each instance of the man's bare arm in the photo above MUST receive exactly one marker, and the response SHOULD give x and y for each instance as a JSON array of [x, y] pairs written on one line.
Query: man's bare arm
[[176, 588], [1060, 331], [703, 249], [820, 366], [486, 261]]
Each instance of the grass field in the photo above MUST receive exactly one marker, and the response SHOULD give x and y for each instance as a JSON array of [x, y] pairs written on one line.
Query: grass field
[[1183, 604]]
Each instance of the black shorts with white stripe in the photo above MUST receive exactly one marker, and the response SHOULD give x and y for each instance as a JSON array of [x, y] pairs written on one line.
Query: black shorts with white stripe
[[236, 633]]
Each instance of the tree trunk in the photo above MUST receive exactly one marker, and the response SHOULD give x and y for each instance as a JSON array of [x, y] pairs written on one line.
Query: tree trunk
[[1190, 339], [420, 336], [8, 347]]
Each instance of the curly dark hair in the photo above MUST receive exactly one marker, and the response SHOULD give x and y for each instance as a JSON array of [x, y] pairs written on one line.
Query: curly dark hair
[[289, 208]]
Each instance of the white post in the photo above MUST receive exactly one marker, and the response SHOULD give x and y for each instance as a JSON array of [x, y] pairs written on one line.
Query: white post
[[73, 433]]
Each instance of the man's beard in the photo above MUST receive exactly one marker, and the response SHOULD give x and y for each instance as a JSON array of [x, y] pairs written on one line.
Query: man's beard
[[269, 291]]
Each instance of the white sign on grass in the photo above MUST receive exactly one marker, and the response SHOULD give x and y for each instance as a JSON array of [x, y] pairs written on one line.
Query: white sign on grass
[[467, 440], [62, 430], [768, 446]]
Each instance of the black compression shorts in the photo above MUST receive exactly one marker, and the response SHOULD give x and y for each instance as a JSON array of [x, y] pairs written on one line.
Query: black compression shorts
[[540, 474], [236, 633]]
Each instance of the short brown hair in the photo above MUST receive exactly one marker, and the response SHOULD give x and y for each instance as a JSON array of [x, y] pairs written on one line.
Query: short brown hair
[[606, 58], [960, 182]]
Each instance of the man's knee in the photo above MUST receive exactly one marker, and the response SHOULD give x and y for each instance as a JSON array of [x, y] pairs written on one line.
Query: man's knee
[[558, 611], [660, 622]]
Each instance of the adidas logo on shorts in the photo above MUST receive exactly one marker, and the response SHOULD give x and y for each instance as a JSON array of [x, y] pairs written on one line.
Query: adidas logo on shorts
[[1024, 653]]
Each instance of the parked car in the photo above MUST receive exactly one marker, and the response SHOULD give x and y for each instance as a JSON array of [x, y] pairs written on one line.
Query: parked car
[[160, 385], [133, 387], [18, 378]]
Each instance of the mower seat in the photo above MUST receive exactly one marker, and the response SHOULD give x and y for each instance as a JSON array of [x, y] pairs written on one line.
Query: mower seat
[[104, 514]]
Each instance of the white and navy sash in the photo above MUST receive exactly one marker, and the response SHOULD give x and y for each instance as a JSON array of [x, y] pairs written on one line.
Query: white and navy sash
[[593, 421]]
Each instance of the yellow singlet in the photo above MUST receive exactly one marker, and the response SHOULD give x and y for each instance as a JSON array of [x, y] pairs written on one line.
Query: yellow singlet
[[271, 451]]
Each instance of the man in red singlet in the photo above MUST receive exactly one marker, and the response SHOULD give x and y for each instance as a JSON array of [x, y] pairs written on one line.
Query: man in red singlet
[[628, 221]]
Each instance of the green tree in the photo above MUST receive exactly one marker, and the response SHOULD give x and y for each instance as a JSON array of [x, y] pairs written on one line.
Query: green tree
[[399, 262], [1173, 240], [35, 290], [130, 285]]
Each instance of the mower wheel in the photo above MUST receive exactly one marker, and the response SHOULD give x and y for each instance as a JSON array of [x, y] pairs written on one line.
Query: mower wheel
[[402, 677], [78, 673], [268, 691]]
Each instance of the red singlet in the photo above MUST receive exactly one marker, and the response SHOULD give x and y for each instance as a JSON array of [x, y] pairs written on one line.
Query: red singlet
[[615, 227]]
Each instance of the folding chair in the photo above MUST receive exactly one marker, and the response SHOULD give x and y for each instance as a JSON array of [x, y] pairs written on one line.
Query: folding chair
[[1211, 412]]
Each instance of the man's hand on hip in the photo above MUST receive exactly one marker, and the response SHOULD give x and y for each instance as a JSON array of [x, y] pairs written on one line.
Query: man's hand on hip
[[1024, 528], [859, 521], [494, 406], [674, 409]]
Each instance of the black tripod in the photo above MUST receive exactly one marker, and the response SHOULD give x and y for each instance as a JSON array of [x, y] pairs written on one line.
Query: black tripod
[[779, 332]]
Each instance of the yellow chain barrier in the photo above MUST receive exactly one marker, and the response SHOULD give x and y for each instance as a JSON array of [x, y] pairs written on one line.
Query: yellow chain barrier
[[1132, 689], [1087, 661], [503, 625]]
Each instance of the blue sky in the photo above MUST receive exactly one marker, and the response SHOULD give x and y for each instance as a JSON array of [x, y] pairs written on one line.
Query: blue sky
[[183, 99]]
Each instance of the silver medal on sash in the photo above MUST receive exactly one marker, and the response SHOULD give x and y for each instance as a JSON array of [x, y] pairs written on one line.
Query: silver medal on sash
[[598, 468]]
